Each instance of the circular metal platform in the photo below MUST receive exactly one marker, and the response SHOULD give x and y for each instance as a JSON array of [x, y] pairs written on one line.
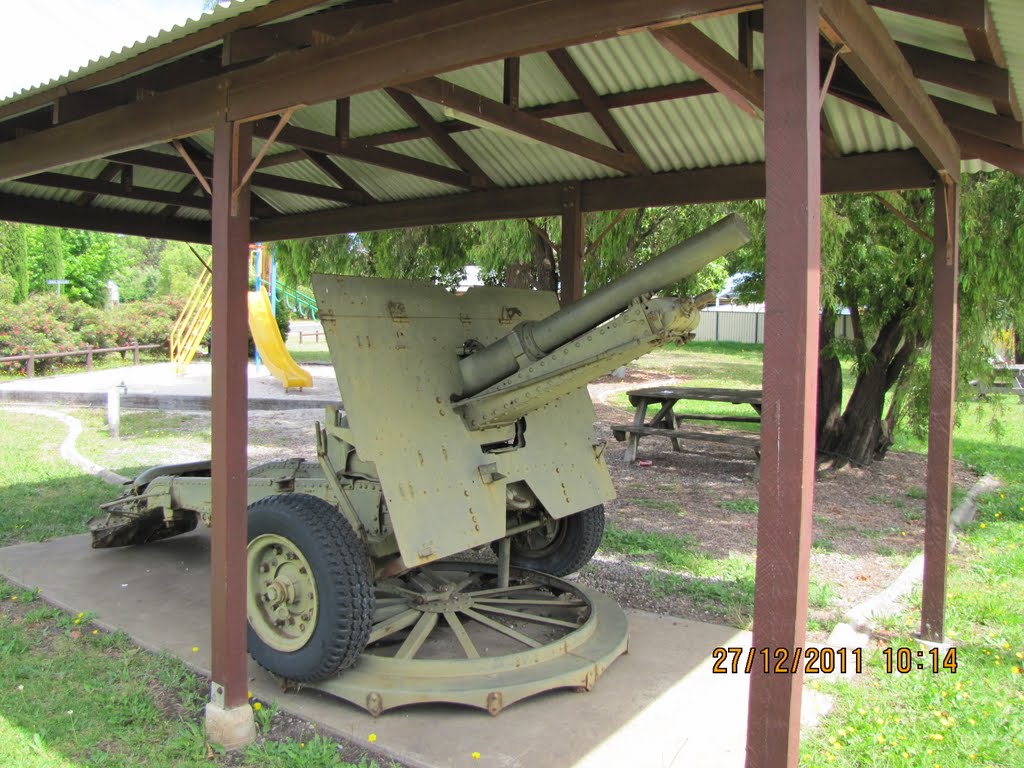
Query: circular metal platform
[[450, 632]]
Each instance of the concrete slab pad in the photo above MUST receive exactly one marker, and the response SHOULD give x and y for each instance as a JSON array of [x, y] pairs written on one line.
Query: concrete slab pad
[[659, 705]]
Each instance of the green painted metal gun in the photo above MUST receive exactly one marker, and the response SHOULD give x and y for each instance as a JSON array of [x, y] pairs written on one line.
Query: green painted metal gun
[[466, 422]]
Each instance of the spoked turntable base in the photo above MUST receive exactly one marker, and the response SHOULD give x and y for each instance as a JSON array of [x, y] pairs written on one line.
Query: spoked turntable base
[[465, 633]]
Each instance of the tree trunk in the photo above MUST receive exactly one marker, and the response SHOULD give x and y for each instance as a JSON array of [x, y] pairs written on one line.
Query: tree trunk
[[1018, 348], [518, 276], [545, 274], [830, 381], [861, 436]]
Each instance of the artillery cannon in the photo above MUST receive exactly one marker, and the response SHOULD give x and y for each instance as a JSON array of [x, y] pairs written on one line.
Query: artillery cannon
[[466, 424]]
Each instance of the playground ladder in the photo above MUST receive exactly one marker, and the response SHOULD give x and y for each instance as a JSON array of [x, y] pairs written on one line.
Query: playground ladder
[[190, 328]]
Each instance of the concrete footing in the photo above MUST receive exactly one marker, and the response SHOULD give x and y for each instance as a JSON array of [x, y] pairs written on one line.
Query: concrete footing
[[230, 728]]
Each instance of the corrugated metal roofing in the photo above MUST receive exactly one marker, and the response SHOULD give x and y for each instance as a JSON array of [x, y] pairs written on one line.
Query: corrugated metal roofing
[[1008, 17], [695, 132], [187, 27]]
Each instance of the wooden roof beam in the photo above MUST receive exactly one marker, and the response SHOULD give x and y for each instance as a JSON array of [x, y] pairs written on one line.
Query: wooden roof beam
[[113, 189], [270, 181], [731, 78], [985, 46], [959, 13], [479, 109], [863, 173], [975, 77], [440, 137], [415, 45], [592, 101], [879, 64], [357, 150], [337, 175], [53, 214], [561, 109]]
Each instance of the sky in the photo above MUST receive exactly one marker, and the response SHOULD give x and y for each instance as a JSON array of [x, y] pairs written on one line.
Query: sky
[[44, 39]]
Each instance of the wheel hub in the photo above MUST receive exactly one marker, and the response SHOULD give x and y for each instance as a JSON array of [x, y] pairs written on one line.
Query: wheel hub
[[282, 604]]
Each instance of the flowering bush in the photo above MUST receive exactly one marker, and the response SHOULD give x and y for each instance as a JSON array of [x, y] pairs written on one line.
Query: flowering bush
[[48, 323]]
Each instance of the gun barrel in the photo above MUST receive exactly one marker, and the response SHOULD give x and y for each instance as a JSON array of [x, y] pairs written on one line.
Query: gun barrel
[[498, 360]]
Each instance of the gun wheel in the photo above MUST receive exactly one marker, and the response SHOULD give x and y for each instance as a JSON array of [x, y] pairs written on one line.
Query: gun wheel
[[562, 546], [452, 632], [310, 600]]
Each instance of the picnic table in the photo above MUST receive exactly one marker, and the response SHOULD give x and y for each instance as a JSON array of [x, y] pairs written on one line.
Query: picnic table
[[1016, 370], [667, 423]]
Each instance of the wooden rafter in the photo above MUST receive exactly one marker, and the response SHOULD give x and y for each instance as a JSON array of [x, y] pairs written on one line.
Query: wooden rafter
[[510, 82], [190, 189], [985, 46], [343, 119], [357, 150], [109, 173], [416, 45], [879, 64], [204, 170], [863, 173], [592, 101], [708, 59], [914, 227], [975, 77], [52, 213], [337, 175], [440, 137], [113, 189], [959, 13], [474, 107], [638, 97]]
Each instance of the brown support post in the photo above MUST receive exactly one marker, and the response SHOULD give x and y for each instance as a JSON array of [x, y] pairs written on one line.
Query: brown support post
[[570, 255], [229, 719], [946, 261], [786, 492]]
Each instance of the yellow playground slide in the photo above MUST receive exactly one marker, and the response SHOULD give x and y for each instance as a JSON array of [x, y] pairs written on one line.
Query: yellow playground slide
[[270, 345]]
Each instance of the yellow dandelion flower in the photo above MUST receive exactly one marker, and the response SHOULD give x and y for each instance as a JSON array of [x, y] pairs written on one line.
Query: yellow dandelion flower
[[371, 738], [1019, 655], [971, 721], [302, 745], [95, 631], [936, 737], [1006, 646], [1016, 670], [257, 706], [80, 615], [984, 525], [14, 598], [195, 649], [880, 738], [476, 755], [906, 755], [77, 621]]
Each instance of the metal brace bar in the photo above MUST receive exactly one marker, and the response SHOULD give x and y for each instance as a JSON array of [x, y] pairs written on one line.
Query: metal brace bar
[[282, 121], [192, 166]]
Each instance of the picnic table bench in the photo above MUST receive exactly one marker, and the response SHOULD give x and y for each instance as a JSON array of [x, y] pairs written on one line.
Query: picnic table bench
[[667, 423]]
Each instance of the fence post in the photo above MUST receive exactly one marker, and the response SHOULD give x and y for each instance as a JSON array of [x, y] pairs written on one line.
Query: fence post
[[88, 359], [135, 351], [30, 366], [718, 318]]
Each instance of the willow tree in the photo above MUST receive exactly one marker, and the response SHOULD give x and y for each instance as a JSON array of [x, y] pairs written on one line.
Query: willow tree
[[876, 256]]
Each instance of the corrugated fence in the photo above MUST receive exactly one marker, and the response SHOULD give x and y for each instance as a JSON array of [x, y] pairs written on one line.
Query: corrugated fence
[[747, 326]]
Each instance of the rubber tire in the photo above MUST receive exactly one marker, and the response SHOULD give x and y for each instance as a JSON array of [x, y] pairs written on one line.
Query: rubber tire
[[577, 540], [344, 589]]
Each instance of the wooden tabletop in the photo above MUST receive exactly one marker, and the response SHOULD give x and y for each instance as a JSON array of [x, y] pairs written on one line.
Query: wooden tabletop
[[711, 394]]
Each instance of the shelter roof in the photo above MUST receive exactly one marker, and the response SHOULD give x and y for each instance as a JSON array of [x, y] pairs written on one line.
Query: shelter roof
[[661, 103]]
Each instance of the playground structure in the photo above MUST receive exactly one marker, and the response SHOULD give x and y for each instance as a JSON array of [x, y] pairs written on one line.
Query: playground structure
[[190, 330], [466, 423]]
